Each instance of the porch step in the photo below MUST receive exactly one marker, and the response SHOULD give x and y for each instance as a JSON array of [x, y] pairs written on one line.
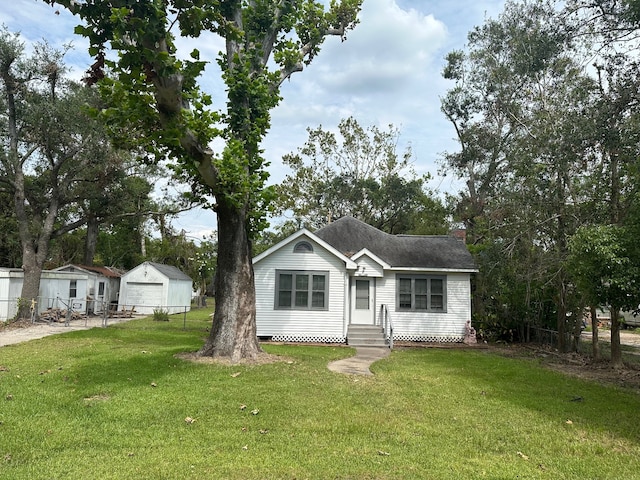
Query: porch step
[[365, 336]]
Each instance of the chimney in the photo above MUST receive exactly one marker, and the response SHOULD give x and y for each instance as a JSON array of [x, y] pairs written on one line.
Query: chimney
[[460, 234]]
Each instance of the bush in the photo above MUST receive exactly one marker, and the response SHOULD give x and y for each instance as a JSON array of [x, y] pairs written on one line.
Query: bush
[[160, 315]]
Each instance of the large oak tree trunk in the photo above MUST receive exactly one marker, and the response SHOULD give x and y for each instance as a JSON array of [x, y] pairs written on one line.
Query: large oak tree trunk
[[34, 248], [31, 283], [91, 241], [233, 333]]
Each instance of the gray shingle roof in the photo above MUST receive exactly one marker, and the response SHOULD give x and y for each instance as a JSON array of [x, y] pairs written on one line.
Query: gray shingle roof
[[349, 236], [170, 271]]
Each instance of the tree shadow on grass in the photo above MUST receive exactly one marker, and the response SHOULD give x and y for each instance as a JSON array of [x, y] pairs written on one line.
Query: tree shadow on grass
[[493, 381]]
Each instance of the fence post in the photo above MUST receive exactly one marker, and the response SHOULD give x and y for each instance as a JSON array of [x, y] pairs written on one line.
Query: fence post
[[184, 321]]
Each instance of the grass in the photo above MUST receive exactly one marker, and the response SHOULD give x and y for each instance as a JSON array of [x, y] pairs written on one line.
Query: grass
[[111, 404]]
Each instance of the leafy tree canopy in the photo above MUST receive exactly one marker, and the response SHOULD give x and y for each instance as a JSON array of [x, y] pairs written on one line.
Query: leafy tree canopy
[[159, 104], [360, 173]]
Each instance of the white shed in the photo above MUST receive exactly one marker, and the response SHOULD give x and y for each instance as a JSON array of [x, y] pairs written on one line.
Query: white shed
[[57, 290], [152, 286], [10, 287], [103, 287], [63, 290]]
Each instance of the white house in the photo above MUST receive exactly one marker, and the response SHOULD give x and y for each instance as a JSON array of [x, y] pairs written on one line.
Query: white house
[[152, 286], [103, 285], [63, 290], [349, 280]]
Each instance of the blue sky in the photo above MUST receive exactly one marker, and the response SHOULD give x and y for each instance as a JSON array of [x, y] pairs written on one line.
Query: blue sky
[[387, 72]]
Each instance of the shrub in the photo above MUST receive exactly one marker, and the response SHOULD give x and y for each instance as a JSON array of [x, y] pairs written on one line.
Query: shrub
[[160, 315]]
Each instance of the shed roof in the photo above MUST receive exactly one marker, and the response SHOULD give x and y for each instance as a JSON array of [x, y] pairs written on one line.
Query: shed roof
[[109, 272], [349, 236], [169, 271]]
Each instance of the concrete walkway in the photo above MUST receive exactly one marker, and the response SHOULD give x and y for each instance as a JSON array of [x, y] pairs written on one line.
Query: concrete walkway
[[359, 364]]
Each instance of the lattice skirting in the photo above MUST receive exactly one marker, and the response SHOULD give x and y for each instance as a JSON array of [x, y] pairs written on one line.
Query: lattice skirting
[[427, 338], [308, 339], [396, 338]]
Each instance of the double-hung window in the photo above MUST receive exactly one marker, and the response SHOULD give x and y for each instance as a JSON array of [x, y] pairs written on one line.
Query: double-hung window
[[421, 293], [301, 290]]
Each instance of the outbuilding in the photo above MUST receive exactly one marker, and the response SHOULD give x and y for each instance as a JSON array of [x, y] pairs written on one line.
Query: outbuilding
[[154, 286], [103, 286], [10, 286], [58, 290]]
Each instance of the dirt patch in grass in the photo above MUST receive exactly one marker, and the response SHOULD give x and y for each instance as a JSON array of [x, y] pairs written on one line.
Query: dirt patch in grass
[[101, 397], [15, 324], [574, 364], [260, 359]]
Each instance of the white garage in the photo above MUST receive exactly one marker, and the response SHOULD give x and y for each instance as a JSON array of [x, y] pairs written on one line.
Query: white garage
[[154, 286]]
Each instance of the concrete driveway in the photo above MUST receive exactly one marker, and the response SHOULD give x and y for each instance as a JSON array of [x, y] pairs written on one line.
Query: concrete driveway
[[12, 336], [626, 337]]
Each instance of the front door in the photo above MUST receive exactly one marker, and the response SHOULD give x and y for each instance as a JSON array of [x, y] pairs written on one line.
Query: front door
[[362, 301]]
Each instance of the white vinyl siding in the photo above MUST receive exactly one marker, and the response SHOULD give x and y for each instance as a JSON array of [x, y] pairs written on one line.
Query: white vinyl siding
[[321, 323], [368, 267], [55, 287], [434, 326]]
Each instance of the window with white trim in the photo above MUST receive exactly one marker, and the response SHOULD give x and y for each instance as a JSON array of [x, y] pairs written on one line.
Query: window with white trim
[[421, 293], [303, 247], [301, 290], [73, 288]]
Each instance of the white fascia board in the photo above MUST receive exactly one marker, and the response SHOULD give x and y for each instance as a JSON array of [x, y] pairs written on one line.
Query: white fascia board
[[439, 270], [280, 244], [76, 268], [63, 267], [372, 256], [350, 264]]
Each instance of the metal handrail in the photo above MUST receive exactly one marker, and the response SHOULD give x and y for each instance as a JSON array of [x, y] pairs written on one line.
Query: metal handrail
[[387, 324]]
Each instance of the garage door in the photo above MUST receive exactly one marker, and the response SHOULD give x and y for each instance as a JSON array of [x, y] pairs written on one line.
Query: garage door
[[144, 294]]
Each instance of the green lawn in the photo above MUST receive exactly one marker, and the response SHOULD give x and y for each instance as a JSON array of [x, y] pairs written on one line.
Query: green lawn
[[112, 403]]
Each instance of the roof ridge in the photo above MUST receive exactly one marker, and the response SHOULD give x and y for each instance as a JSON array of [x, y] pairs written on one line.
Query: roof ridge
[[421, 236]]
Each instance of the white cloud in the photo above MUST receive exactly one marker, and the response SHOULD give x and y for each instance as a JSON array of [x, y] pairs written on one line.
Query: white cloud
[[382, 74], [389, 51], [386, 51]]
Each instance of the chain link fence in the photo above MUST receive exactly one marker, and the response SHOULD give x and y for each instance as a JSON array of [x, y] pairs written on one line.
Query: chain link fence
[[64, 310]]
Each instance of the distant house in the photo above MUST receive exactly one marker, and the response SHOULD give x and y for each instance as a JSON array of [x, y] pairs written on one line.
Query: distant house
[[58, 289], [352, 283], [103, 285], [151, 286]]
